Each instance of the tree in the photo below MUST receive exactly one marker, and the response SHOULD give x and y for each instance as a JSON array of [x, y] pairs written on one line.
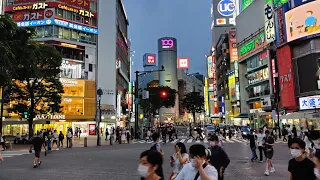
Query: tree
[[155, 101], [35, 88], [194, 103]]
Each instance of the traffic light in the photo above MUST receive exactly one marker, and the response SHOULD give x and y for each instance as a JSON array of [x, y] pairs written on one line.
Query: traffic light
[[163, 94], [25, 115]]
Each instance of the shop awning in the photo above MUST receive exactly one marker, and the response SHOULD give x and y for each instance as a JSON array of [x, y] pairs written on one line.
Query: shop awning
[[242, 115]]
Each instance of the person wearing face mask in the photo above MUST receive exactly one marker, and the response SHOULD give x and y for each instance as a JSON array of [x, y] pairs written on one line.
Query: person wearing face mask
[[178, 159], [198, 168], [300, 167], [316, 160], [219, 158], [150, 167]]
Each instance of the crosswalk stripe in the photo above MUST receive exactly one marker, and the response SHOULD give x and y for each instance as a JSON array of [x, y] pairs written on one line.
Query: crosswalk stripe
[[189, 141], [197, 141], [142, 141], [149, 142], [182, 140], [230, 141], [205, 141], [174, 141], [236, 140]]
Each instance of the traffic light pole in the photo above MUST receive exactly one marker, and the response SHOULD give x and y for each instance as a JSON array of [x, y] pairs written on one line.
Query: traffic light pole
[[136, 96]]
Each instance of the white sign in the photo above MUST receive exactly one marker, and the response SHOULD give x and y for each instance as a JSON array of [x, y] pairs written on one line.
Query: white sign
[[70, 69], [68, 82], [310, 102], [145, 94], [50, 116], [265, 102], [269, 26]]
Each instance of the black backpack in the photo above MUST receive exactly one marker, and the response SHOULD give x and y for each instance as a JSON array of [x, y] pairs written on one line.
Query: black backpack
[[154, 147]]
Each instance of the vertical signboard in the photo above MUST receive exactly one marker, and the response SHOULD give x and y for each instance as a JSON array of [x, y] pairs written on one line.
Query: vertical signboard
[[214, 73], [206, 96], [149, 60], [281, 36], [222, 105], [233, 45], [209, 64], [269, 29]]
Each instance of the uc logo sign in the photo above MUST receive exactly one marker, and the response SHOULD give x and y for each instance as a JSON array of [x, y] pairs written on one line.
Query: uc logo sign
[[226, 7]]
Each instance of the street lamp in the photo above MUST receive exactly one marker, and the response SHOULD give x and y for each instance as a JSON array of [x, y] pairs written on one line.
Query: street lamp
[[98, 118], [136, 94]]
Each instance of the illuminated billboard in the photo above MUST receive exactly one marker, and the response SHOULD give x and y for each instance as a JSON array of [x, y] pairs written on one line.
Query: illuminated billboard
[[210, 67], [149, 60], [303, 21], [183, 63]]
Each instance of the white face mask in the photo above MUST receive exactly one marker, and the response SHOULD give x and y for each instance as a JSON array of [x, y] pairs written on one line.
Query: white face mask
[[193, 162], [296, 152], [143, 170], [316, 172]]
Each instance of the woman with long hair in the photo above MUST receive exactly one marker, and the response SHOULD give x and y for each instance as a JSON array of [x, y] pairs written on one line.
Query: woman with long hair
[[150, 167], [178, 159]]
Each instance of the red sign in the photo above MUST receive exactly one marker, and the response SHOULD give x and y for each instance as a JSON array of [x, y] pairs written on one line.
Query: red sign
[[85, 4], [92, 129], [286, 78], [183, 63], [233, 45], [151, 59], [32, 15]]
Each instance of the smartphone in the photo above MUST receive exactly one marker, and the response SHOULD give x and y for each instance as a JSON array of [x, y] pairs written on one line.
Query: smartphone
[[171, 158]]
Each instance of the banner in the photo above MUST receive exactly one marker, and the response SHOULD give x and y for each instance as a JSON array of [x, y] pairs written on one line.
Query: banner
[[233, 45]]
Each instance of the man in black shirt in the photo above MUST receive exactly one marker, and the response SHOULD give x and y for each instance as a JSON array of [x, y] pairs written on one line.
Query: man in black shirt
[[219, 158], [300, 167], [37, 143], [253, 146]]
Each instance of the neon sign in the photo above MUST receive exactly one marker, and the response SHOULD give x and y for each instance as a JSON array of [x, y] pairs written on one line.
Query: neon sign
[[253, 44], [167, 43]]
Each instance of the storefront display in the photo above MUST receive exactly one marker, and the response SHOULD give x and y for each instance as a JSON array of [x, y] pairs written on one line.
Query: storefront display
[[258, 76]]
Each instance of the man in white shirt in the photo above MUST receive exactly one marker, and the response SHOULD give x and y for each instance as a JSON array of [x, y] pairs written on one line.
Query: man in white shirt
[[55, 139], [260, 137], [198, 168]]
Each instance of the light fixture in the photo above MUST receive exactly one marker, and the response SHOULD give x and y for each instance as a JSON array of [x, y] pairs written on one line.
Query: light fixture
[[69, 45]]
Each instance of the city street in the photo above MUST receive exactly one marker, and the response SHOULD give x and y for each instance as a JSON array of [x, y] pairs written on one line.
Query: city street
[[119, 162]]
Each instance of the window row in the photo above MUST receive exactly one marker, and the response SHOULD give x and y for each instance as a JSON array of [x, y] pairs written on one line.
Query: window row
[[257, 61], [75, 17], [65, 33], [262, 90]]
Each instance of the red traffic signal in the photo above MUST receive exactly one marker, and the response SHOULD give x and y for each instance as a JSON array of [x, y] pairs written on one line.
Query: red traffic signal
[[163, 94]]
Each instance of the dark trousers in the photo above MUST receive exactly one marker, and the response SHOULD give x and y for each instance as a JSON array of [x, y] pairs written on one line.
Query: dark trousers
[[69, 143], [261, 152], [220, 177], [61, 142]]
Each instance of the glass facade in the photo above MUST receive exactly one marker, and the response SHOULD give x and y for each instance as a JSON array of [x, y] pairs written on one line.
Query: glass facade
[[261, 90]]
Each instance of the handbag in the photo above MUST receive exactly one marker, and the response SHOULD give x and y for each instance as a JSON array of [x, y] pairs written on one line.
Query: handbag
[[198, 173]]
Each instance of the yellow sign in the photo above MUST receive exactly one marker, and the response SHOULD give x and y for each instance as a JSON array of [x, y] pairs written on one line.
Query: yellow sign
[[35, 6], [75, 10], [232, 87]]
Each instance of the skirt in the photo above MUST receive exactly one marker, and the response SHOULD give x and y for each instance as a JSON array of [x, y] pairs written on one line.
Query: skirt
[[123, 137]]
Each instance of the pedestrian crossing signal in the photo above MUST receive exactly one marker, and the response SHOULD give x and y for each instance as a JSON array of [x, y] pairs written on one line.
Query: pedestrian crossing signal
[[163, 94], [25, 115]]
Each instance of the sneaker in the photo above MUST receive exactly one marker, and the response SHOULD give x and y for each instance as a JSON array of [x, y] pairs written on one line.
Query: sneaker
[[57, 149], [35, 166], [260, 161], [272, 170], [39, 163], [266, 173]]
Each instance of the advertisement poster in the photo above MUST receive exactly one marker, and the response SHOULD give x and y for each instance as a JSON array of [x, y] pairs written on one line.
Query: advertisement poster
[[258, 76], [92, 129], [210, 67], [183, 63], [149, 60], [269, 27], [303, 21], [232, 87], [233, 45]]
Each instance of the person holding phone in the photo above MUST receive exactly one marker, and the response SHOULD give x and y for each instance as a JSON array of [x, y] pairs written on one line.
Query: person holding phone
[[178, 159]]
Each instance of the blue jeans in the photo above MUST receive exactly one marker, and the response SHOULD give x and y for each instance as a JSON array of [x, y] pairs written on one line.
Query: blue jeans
[[254, 153]]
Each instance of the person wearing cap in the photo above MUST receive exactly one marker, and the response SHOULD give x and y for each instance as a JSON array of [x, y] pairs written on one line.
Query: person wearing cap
[[268, 145], [219, 158]]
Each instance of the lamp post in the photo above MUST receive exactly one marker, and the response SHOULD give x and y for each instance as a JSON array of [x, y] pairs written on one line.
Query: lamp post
[[136, 94], [98, 118]]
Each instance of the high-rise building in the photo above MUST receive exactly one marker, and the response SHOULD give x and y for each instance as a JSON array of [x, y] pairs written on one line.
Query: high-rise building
[[72, 27]]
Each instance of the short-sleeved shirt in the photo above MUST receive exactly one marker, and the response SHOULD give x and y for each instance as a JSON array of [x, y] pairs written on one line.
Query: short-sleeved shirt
[[37, 143], [252, 139], [177, 165], [189, 172], [157, 145], [260, 139], [269, 140], [301, 169]]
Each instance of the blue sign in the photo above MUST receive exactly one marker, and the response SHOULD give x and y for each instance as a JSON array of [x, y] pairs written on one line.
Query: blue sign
[[310, 102], [226, 7], [222, 106], [58, 22], [300, 2]]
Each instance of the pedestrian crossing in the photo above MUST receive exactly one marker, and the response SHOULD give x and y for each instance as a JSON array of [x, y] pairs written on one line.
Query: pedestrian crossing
[[193, 141], [9, 154]]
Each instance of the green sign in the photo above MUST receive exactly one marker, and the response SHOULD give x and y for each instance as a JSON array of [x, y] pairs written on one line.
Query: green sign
[[256, 42], [277, 3], [245, 4]]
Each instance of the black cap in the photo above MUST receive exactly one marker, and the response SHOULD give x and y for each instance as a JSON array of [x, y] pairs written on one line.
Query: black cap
[[213, 138]]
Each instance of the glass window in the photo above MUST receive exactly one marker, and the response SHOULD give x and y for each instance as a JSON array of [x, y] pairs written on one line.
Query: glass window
[[87, 20], [60, 32], [59, 13], [93, 6], [66, 33], [73, 88], [72, 106], [258, 76], [75, 35], [69, 15], [94, 22], [48, 31], [261, 90], [40, 31]]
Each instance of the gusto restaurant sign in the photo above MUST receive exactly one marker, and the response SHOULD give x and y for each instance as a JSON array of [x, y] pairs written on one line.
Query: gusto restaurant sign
[[252, 46], [38, 6]]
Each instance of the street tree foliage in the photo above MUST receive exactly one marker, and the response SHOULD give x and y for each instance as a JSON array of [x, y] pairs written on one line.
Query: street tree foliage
[[194, 103], [156, 101], [34, 87]]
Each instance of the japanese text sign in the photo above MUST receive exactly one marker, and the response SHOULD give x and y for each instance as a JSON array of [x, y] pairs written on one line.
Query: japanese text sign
[[210, 67], [252, 45], [149, 60], [269, 28], [233, 46], [78, 3], [183, 63], [310, 102], [58, 23], [303, 21]]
